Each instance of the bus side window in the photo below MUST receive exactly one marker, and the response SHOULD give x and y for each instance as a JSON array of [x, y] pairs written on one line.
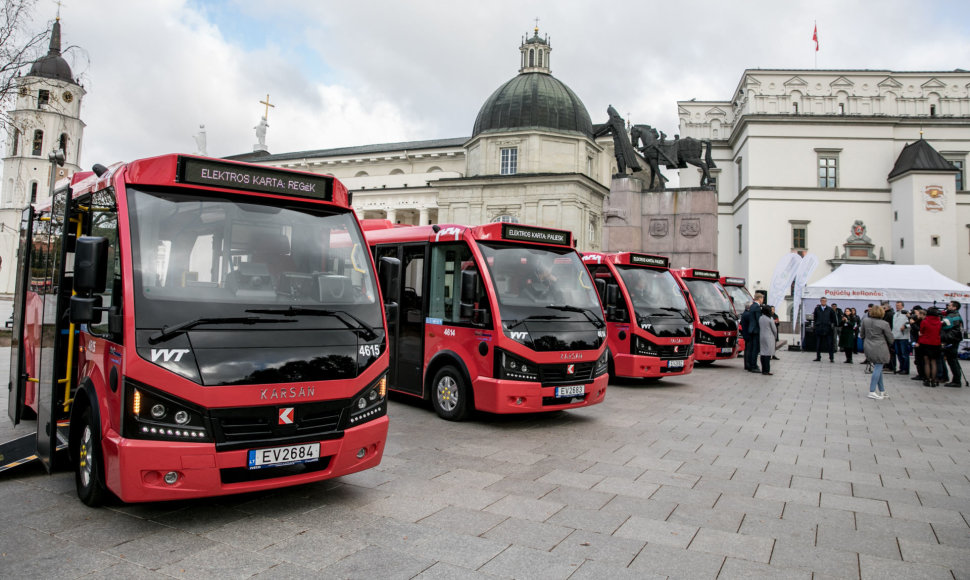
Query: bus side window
[[448, 261], [104, 223]]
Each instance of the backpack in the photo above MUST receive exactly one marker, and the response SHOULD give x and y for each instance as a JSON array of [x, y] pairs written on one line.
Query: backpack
[[951, 335]]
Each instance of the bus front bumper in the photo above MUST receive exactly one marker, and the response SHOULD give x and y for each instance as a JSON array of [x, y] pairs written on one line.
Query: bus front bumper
[[135, 469], [639, 366], [505, 396], [712, 352]]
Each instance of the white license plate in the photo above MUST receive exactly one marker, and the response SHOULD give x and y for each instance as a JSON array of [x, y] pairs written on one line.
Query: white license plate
[[727, 349], [286, 455], [675, 364], [573, 391]]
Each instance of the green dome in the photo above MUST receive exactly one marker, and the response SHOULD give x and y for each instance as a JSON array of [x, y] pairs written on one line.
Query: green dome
[[533, 101]]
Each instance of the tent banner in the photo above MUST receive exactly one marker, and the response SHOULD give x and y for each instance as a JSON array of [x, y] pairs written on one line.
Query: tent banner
[[851, 293]]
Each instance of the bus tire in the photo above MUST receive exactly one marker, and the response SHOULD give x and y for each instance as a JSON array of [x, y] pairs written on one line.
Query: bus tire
[[88, 463], [450, 395]]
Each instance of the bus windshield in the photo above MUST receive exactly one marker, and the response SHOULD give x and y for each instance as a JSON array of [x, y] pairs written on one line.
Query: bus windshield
[[740, 297], [196, 254], [709, 297], [535, 281], [655, 293]]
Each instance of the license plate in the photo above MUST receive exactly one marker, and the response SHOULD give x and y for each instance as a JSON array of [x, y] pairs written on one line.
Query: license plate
[[727, 349], [286, 455], [573, 391], [675, 364]]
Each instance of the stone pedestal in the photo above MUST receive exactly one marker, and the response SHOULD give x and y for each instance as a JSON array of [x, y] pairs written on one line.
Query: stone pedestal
[[679, 223]]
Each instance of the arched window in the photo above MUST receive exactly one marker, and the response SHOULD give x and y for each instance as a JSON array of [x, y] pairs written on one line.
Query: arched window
[[532, 57], [62, 143], [38, 142], [540, 58], [434, 169], [397, 172], [361, 174], [33, 192], [506, 219], [16, 141]]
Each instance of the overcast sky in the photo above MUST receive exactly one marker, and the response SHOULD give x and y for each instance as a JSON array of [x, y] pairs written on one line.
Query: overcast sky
[[352, 73]]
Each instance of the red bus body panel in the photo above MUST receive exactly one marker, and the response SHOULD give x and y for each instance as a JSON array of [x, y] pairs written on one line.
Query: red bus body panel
[[708, 352], [734, 281]]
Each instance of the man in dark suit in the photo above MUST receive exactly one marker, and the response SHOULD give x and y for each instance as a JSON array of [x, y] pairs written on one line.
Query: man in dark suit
[[823, 321], [752, 344], [745, 323]]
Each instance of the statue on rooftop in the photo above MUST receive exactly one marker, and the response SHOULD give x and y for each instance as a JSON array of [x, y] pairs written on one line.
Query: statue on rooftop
[[626, 155]]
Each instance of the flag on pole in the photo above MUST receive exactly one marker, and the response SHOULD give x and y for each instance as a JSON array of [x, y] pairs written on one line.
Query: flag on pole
[[815, 37]]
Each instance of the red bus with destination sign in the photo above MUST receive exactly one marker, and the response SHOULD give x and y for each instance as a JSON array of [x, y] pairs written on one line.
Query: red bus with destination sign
[[650, 330], [209, 328], [715, 322], [502, 318]]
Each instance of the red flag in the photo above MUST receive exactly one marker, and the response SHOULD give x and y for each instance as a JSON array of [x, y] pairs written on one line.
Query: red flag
[[815, 37]]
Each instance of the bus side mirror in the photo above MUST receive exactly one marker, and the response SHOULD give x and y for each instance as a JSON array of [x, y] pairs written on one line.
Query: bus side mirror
[[389, 276], [84, 310], [612, 291], [600, 287], [469, 292], [91, 265]]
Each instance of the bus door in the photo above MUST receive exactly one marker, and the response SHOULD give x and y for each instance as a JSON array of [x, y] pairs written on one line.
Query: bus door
[[405, 332], [18, 363]]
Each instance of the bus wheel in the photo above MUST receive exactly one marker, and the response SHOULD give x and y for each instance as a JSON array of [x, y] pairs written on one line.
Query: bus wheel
[[88, 465], [450, 394]]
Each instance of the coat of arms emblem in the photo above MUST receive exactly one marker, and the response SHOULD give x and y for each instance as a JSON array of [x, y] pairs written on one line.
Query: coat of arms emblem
[[934, 200], [690, 227]]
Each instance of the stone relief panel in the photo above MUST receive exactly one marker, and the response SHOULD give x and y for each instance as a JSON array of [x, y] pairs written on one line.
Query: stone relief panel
[[659, 227], [690, 227]]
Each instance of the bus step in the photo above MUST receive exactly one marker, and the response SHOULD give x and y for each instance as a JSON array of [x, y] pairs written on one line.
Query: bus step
[[23, 449]]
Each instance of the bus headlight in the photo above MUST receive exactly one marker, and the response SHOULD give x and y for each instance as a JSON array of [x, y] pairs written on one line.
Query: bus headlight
[[369, 404], [602, 364], [702, 337], [150, 414], [644, 347], [517, 368]]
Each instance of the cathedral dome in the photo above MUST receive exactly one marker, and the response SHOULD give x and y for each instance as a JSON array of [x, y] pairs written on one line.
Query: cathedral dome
[[534, 99], [52, 65]]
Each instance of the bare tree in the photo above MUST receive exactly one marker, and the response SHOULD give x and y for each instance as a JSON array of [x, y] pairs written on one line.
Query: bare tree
[[19, 48]]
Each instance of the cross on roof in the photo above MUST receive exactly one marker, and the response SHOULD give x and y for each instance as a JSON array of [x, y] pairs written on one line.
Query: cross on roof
[[268, 105], [537, 25]]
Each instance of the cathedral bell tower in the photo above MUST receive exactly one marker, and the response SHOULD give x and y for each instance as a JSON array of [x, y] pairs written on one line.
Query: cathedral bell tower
[[46, 117], [535, 53]]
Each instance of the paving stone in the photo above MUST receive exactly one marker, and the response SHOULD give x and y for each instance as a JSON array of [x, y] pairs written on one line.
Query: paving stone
[[657, 532], [523, 507], [787, 494], [724, 520], [921, 485], [602, 522], [924, 514], [126, 570], [645, 508], [918, 531], [735, 569], [463, 521], [947, 502], [680, 495], [220, 561], [819, 560], [583, 545], [406, 509], [527, 563], [313, 549], [677, 563], [881, 544], [874, 568], [598, 570], [160, 549], [742, 546], [623, 486], [953, 536], [883, 493], [579, 498], [571, 479], [821, 485], [445, 571], [855, 504], [750, 505], [798, 532], [541, 536], [522, 487], [377, 562], [954, 558]]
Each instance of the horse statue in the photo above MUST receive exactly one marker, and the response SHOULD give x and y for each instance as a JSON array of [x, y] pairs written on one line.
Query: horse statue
[[676, 154]]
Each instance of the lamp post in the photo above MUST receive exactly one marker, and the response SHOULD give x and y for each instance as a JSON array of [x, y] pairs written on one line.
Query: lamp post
[[56, 158]]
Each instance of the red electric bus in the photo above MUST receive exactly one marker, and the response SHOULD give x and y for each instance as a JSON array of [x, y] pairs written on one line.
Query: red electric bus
[[650, 330], [207, 328], [715, 323], [501, 318], [740, 299]]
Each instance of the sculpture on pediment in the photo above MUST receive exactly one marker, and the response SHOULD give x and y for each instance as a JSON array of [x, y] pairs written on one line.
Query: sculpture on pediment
[[859, 233], [676, 154]]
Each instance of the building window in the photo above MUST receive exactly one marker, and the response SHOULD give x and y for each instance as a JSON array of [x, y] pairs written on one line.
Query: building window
[[958, 163], [712, 183], [540, 58], [16, 141], [740, 180], [532, 57], [799, 237], [62, 143], [505, 219], [591, 233], [902, 243], [740, 239], [38, 142], [932, 110], [841, 108], [33, 192], [510, 160], [828, 171], [43, 97], [589, 166], [794, 108], [935, 241]]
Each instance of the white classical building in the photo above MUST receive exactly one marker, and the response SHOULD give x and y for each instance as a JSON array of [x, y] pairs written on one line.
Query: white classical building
[[802, 155], [46, 117], [531, 158]]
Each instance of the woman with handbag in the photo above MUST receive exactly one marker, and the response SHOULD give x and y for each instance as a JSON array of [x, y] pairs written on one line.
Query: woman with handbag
[[876, 339]]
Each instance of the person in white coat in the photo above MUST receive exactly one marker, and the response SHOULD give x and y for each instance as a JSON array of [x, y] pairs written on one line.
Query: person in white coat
[[768, 338]]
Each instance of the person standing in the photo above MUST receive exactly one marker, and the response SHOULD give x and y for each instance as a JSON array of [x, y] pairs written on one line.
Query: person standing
[[745, 322], [823, 320], [929, 342], [888, 314], [848, 333], [752, 348], [916, 316], [768, 337], [901, 342], [877, 338], [951, 335]]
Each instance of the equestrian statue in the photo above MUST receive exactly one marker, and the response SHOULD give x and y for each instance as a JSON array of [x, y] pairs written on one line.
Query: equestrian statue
[[676, 154]]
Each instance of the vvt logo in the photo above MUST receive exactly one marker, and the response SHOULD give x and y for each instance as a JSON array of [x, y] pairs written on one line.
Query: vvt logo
[[518, 335], [169, 354]]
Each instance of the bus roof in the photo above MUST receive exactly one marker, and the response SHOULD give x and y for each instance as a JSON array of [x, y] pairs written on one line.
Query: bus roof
[[176, 170], [377, 232]]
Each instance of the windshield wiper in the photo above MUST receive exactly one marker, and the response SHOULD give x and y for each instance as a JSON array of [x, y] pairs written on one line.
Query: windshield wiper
[[535, 317], [170, 331], [368, 332], [596, 320]]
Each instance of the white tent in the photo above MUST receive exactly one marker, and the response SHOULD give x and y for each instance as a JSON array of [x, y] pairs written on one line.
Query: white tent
[[859, 285]]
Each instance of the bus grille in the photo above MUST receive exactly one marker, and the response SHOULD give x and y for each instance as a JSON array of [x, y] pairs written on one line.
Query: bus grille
[[558, 374], [245, 427]]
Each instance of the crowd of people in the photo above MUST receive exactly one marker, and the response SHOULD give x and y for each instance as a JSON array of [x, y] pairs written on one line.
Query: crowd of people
[[888, 337], [759, 329]]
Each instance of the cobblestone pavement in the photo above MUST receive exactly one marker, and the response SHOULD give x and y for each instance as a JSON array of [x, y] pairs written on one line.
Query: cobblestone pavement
[[720, 474]]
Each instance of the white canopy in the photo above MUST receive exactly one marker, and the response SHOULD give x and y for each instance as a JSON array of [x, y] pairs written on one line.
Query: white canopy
[[873, 282]]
